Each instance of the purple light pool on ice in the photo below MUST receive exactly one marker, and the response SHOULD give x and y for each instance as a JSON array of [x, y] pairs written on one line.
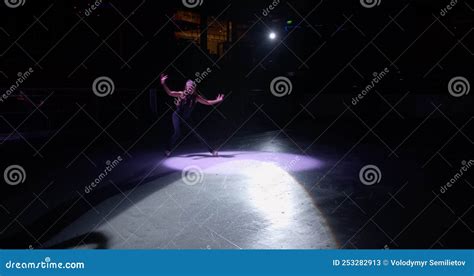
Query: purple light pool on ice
[[286, 161]]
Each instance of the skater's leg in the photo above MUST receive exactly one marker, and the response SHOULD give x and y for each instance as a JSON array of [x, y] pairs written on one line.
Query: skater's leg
[[189, 124], [176, 134]]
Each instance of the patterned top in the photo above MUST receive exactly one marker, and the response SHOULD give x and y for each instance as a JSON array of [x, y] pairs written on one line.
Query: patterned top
[[185, 103]]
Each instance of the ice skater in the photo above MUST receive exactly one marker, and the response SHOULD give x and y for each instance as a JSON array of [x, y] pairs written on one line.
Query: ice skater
[[185, 102]]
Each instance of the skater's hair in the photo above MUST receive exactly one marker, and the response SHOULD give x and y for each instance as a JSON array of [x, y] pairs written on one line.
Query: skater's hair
[[189, 92], [190, 87]]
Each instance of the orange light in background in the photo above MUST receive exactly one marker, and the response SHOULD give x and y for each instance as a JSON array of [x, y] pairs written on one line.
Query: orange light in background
[[217, 32]]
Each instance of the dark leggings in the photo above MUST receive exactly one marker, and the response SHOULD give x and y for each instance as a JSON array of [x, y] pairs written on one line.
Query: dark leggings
[[178, 121]]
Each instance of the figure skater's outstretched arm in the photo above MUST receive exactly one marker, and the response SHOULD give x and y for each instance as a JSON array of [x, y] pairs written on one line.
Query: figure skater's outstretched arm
[[167, 90], [204, 101]]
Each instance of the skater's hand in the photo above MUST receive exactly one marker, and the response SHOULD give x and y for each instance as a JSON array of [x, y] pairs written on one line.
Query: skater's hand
[[163, 78], [220, 98], [203, 101]]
